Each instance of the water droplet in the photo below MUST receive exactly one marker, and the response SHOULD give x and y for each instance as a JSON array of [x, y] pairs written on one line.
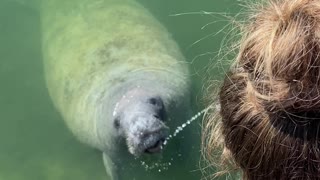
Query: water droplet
[[180, 128], [164, 143]]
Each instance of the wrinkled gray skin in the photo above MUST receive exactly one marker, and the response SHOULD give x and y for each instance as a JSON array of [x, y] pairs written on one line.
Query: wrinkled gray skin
[[139, 117], [114, 73]]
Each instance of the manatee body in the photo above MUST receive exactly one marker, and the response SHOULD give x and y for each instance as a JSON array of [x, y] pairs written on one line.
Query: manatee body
[[113, 72]]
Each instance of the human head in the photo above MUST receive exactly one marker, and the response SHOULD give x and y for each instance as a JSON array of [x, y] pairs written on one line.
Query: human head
[[269, 122]]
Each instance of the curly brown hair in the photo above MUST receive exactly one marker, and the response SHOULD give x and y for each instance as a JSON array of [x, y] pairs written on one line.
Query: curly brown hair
[[269, 121]]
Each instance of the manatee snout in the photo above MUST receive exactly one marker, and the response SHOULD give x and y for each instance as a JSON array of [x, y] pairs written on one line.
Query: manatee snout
[[142, 122], [147, 136], [148, 130]]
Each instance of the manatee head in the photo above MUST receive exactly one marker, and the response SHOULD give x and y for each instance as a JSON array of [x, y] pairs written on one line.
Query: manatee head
[[139, 117]]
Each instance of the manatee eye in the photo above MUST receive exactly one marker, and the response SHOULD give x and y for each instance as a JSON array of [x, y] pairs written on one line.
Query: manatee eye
[[156, 101], [116, 123], [158, 107], [153, 101]]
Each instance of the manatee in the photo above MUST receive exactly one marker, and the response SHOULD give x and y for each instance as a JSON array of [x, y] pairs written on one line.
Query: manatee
[[114, 73]]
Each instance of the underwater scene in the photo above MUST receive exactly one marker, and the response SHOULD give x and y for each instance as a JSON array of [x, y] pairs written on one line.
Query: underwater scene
[[43, 130]]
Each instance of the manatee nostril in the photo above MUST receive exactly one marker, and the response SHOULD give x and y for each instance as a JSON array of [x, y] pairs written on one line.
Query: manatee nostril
[[156, 116]]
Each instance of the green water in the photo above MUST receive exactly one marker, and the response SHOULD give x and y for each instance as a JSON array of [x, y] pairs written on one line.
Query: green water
[[34, 142]]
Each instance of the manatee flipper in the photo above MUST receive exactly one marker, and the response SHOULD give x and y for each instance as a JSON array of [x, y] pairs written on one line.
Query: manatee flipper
[[110, 167]]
